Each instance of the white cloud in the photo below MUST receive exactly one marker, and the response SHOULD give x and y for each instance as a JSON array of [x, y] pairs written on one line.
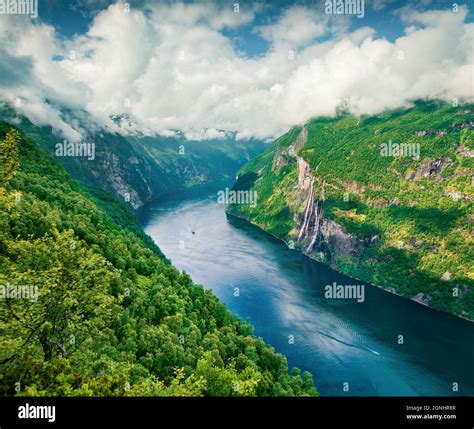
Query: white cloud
[[172, 69], [297, 26]]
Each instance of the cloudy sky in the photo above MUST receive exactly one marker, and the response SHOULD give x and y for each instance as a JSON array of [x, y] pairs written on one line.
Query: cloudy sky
[[213, 70]]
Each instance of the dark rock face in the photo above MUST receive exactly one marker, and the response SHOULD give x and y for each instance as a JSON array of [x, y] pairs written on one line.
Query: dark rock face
[[315, 233], [464, 124], [281, 159], [337, 240], [429, 168], [141, 169]]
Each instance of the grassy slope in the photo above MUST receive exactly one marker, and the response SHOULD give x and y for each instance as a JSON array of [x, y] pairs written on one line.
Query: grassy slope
[[423, 232]]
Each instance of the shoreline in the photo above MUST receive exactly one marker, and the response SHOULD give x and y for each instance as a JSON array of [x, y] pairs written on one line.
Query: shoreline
[[341, 272]]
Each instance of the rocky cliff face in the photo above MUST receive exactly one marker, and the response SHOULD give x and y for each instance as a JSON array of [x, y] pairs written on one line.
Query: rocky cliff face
[[319, 237], [139, 170], [400, 219]]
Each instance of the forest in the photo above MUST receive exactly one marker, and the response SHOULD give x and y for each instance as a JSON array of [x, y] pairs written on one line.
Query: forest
[[407, 216], [112, 316]]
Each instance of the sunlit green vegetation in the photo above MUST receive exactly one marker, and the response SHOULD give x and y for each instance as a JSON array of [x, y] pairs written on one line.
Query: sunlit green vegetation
[[413, 228], [112, 317]]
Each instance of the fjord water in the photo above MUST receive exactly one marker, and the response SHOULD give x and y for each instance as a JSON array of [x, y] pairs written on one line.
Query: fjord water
[[281, 292]]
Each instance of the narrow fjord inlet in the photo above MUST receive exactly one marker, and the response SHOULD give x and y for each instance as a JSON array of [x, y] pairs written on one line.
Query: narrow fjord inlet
[[265, 206], [281, 292]]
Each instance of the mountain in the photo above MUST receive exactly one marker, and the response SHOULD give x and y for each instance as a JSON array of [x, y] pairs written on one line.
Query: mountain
[[141, 169], [91, 307], [387, 199]]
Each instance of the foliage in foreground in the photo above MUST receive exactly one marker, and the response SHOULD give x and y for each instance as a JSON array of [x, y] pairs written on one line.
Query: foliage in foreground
[[111, 317]]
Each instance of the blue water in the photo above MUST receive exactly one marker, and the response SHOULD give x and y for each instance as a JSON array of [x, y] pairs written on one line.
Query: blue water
[[281, 292]]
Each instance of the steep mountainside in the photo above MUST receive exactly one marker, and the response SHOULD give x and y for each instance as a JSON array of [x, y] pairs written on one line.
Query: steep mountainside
[[143, 169], [387, 199], [90, 307]]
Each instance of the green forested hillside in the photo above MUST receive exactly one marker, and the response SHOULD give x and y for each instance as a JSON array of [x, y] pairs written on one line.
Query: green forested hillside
[[142, 169], [111, 316], [400, 221]]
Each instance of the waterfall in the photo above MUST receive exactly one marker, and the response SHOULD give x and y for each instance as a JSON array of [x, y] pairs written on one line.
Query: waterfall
[[308, 211], [317, 216]]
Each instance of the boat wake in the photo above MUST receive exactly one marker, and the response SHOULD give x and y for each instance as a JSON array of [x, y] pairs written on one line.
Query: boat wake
[[357, 346]]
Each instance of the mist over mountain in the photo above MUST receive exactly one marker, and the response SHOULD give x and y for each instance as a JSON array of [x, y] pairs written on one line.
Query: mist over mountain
[[208, 69], [140, 169]]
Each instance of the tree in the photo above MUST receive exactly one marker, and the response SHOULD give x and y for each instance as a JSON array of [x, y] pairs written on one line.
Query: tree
[[68, 301], [9, 160]]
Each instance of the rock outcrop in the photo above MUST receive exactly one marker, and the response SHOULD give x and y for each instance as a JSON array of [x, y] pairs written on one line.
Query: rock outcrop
[[314, 233]]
